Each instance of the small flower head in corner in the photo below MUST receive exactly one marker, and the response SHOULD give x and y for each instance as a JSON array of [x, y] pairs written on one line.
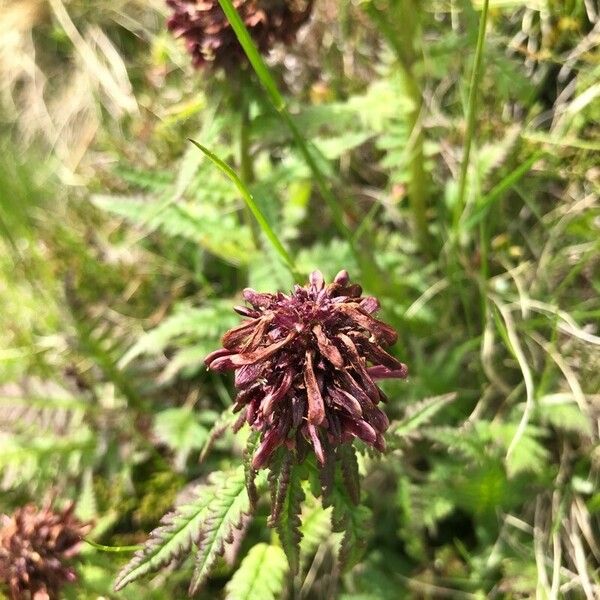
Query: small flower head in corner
[[305, 367], [36, 546], [212, 42]]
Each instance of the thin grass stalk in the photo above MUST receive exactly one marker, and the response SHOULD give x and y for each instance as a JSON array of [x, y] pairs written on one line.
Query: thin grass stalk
[[471, 115], [285, 256]]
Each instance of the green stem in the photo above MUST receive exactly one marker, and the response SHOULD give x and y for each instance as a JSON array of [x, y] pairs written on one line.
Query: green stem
[[471, 115]]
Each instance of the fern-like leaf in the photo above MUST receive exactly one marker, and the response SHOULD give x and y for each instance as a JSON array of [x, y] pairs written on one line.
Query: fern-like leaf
[[171, 542], [249, 471], [347, 518], [419, 414], [350, 474], [279, 477], [220, 507], [315, 529], [261, 575], [226, 513], [288, 520]]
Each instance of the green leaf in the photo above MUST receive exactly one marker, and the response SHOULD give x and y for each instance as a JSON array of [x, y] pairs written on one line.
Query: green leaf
[[309, 152], [209, 521], [170, 543], [347, 518], [252, 444], [420, 413], [485, 203], [562, 412], [188, 326], [290, 496], [261, 575], [201, 223], [350, 474], [226, 512], [180, 430]]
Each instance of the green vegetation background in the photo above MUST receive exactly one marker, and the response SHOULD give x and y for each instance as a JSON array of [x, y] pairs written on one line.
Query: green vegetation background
[[122, 250]]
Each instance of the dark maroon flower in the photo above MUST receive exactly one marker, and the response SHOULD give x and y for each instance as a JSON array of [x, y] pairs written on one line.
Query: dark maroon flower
[[35, 546], [211, 40], [305, 367]]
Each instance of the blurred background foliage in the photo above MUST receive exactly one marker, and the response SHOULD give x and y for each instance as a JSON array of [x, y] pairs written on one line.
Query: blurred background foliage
[[122, 250]]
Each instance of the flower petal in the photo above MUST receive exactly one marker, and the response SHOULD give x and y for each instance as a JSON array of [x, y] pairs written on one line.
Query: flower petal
[[378, 356], [234, 337], [381, 372], [215, 355], [316, 442], [316, 281], [342, 278], [246, 312], [277, 393], [369, 305], [382, 331], [359, 365], [257, 299], [362, 430], [248, 374], [248, 358], [270, 442], [346, 401], [316, 407], [327, 348]]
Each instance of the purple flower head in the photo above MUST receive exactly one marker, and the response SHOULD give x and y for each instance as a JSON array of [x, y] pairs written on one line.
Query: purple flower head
[[211, 40], [305, 367]]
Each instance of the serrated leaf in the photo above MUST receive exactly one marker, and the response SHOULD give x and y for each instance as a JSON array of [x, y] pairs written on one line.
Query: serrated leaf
[[279, 470], [287, 523], [347, 518], [261, 575], [226, 512], [419, 414], [220, 506], [170, 542], [249, 472], [350, 474]]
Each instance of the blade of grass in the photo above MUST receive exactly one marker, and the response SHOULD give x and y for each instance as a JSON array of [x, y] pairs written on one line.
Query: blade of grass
[[471, 115], [514, 346], [254, 209]]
